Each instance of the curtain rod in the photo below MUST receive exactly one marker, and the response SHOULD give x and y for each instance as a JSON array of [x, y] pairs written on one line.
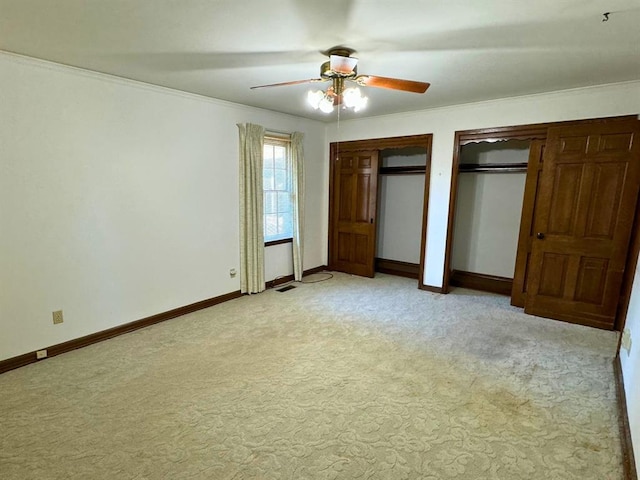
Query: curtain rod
[[277, 134]]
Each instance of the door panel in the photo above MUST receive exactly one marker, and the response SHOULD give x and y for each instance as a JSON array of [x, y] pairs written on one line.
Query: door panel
[[592, 275], [608, 180], [564, 200], [360, 254], [343, 250], [345, 208], [616, 143], [363, 198], [584, 215], [354, 204], [553, 273]]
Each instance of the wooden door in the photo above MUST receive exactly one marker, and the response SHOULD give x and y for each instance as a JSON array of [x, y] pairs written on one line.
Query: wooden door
[[583, 221], [527, 234], [354, 187]]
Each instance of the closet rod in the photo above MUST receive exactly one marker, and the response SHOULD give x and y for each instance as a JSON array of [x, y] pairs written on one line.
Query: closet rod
[[409, 170], [493, 167]]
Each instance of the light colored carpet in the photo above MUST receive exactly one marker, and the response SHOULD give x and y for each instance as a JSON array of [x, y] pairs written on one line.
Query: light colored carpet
[[351, 378]]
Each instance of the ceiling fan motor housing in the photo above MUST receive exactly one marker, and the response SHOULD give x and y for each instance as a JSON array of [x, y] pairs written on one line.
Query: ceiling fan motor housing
[[337, 78], [327, 73]]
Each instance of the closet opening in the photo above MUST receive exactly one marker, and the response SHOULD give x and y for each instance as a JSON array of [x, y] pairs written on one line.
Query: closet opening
[[378, 206], [491, 184], [400, 208]]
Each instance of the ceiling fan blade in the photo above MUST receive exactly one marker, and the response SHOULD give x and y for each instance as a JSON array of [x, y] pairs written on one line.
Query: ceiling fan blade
[[392, 83], [296, 82], [341, 64]]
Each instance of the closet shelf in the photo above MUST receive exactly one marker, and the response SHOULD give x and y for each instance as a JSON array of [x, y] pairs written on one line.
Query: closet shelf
[[410, 170], [493, 167]]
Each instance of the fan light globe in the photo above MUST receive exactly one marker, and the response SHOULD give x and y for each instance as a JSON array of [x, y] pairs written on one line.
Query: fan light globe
[[314, 97], [361, 104], [326, 105], [351, 97]]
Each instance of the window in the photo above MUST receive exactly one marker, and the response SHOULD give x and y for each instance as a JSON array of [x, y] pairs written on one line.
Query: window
[[278, 200]]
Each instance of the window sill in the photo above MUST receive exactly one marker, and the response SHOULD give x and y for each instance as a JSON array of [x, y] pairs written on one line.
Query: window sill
[[278, 242]]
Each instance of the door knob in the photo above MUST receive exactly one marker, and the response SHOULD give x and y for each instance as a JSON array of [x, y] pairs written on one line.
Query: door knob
[[540, 235]]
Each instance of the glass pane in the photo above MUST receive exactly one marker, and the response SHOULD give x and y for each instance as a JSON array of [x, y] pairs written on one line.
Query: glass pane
[[267, 179], [270, 202], [284, 202], [281, 180], [270, 225], [280, 154], [267, 154], [284, 224]]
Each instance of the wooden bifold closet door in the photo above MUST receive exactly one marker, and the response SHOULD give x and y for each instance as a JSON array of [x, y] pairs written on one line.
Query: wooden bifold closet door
[[355, 186], [527, 234], [584, 212]]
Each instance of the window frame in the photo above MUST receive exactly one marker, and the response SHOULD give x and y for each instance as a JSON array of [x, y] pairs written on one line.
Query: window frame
[[271, 243], [279, 141]]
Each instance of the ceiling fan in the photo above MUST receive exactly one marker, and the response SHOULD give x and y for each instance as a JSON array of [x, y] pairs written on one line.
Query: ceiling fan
[[342, 67]]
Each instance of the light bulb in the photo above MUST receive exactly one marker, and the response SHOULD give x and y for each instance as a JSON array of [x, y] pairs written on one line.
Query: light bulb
[[314, 97], [326, 105], [351, 97], [362, 103]]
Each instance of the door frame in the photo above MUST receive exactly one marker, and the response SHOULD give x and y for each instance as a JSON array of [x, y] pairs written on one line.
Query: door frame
[[425, 141], [537, 131]]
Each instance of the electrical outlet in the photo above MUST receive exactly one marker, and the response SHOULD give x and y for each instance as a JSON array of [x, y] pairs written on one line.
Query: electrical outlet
[[40, 354], [626, 341], [232, 272], [57, 317]]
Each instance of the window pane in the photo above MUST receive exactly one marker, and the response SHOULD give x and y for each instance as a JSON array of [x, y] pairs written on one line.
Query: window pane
[[281, 179], [267, 154], [270, 225], [284, 224], [268, 182], [280, 154], [284, 202], [270, 202]]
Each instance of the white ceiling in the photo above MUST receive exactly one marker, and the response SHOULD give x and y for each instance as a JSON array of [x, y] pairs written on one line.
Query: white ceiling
[[468, 50]]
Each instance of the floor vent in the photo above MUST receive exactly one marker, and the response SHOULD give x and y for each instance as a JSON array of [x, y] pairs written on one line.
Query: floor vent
[[286, 289]]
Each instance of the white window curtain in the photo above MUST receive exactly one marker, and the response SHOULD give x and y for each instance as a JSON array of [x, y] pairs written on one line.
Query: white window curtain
[[297, 166], [251, 208]]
